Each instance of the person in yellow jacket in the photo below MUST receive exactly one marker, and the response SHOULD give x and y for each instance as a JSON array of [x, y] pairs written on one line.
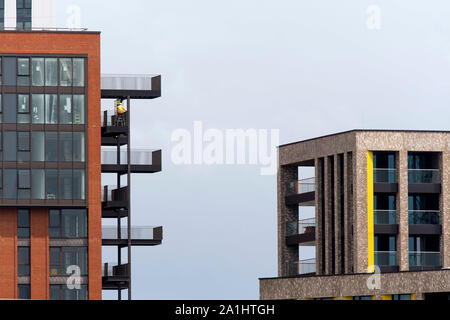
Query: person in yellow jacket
[[121, 109]]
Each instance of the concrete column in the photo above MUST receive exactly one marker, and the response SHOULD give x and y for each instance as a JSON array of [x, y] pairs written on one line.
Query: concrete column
[[402, 211], [286, 214], [445, 209], [360, 236]]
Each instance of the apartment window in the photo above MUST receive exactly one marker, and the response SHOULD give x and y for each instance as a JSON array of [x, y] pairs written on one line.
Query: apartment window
[[423, 209], [78, 147], [63, 257], [38, 71], [78, 72], [362, 298], [10, 146], [1, 100], [11, 185], [10, 71], [2, 14], [24, 261], [10, 108], [24, 14], [51, 146], [23, 146], [385, 250], [65, 109], [23, 224], [24, 292], [65, 184], [79, 184], [78, 109], [401, 297], [23, 71], [23, 108], [24, 184], [385, 208], [51, 109], [62, 292], [51, 184], [51, 72], [65, 67], [68, 224], [38, 184], [65, 147], [424, 251], [38, 146], [38, 108]]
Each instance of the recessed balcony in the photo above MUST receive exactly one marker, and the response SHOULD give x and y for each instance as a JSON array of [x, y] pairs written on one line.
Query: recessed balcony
[[384, 175], [420, 176], [386, 217], [301, 192], [302, 267], [424, 259]]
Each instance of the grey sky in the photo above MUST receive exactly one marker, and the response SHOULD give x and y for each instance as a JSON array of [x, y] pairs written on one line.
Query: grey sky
[[307, 68]]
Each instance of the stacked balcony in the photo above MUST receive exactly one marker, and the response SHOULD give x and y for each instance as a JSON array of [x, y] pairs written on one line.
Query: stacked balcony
[[119, 159]]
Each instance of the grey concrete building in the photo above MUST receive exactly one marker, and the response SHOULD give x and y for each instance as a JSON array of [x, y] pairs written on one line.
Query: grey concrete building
[[382, 219]]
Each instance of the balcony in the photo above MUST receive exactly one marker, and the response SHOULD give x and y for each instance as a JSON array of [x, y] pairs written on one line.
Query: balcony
[[115, 276], [385, 217], [113, 125], [416, 176], [114, 198], [424, 217], [386, 258], [424, 259], [301, 267], [140, 236], [384, 175], [115, 86], [301, 192], [142, 161], [301, 227]]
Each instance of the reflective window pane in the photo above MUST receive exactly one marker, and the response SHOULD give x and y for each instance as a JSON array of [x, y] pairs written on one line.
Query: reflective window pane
[[65, 72], [37, 69], [78, 109], [38, 184], [78, 184], [9, 71], [23, 146], [23, 108], [38, 108], [24, 192], [10, 146], [11, 185], [74, 223], [65, 112], [38, 146], [51, 109], [10, 108], [51, 184], [51, 146], [51, 72], [78, 72], [65, 146], [78, 147], [65, 183]]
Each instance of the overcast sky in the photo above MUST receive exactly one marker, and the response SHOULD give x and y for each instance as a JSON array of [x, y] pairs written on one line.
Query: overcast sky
[[307, 68]]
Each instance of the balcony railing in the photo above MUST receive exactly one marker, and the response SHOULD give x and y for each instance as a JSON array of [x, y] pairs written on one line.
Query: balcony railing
[[424, 259], [385, 217], [386, 258], [138, 157], [424, 217], [129, 82], [301, 267], [110, 118], [114, 270], [381, 175], [424, 176], [112, 193], [300, 227], [301, 186], [137, 233]]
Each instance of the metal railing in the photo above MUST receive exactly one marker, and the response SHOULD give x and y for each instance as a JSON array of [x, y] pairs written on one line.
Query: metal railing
[[127, 81], [385, 217], [424, 217], [300, 227], [112, 193], [138, 157], [384, 175], [301, 186], [424, 176], [137, 233], [301, 267], [113, 269], [385, 258], [424, 259]]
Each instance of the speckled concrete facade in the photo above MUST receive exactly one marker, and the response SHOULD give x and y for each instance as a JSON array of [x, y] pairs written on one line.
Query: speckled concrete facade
[[353, 147]]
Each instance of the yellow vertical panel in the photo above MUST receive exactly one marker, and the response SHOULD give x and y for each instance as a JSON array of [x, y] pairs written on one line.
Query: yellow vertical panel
[[413, 296], [386, 297], [348, 298], [370, 206]]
